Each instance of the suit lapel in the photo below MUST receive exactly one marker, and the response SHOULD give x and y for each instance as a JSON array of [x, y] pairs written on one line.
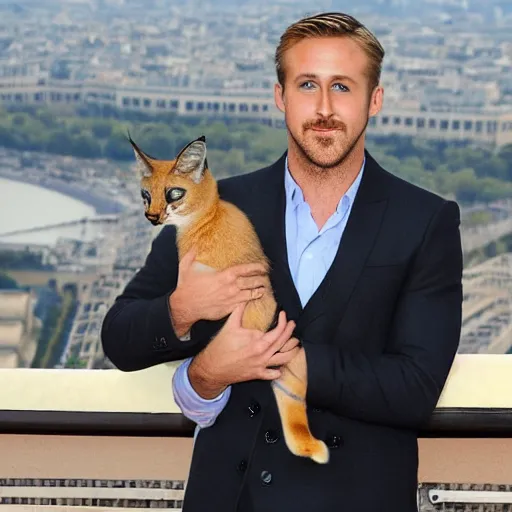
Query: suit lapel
[[270, 226], [355, 246]]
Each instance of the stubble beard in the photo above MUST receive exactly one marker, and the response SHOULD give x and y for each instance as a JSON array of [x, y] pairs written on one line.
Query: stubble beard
[[333, 151]]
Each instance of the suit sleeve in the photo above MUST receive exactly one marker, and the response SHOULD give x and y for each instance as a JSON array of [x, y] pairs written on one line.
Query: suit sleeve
[[137, 330], [402, 386]]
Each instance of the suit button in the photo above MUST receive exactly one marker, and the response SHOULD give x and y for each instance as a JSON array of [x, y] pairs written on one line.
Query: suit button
[[334, 441], [271, 436], [266, 477], [254, 409], [160, 343], [316, 409], [242, 466]]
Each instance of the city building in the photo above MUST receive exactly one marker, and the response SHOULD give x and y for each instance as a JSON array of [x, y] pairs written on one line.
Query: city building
[[490, 127], [18, 328], [487, 307]]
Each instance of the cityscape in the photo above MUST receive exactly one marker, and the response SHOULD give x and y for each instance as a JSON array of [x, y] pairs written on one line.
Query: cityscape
[[446, 73], [447, 77]]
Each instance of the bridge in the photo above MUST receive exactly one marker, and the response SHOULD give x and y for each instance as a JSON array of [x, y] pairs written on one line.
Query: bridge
[[97, 219]]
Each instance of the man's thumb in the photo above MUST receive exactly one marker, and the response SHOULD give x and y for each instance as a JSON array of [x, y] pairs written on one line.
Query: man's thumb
[[188, 259], [236, 316]]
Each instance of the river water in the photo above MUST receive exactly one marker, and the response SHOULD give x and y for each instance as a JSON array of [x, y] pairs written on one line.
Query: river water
[[23, 206]]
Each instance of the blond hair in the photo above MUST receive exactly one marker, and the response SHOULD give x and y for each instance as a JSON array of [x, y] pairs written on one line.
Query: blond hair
[[332, 24]]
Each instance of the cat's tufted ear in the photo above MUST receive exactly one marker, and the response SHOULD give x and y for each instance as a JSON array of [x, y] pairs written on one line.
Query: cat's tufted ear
[[144, 165], [191, 161]]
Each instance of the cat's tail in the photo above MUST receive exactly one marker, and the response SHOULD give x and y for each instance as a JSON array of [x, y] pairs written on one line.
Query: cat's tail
[[298, 436]]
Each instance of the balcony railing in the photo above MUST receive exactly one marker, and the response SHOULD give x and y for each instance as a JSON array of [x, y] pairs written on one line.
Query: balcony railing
[[104, 439]]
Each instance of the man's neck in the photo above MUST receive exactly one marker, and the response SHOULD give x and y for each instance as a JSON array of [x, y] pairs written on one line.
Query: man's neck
[[324, 188]]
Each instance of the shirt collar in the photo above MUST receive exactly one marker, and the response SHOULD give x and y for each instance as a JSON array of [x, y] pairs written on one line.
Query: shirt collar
[[295, 197]]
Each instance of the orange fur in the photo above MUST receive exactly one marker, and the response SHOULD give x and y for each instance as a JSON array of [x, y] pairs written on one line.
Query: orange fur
[[222, 236]]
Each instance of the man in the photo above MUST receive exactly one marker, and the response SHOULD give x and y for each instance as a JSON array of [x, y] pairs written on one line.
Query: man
[[366, 266]]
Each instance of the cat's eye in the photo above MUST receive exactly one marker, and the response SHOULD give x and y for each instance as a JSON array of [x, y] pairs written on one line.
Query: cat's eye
[[173, 194], [146, 196]]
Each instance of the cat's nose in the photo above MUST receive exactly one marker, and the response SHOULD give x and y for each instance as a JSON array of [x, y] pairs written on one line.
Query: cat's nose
[[152, 218]]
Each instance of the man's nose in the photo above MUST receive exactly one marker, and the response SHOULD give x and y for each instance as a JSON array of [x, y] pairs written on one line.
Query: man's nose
[[324, 107]]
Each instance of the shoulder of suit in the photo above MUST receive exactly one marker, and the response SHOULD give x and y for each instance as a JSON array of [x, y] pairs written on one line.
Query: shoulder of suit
[[413, 196]]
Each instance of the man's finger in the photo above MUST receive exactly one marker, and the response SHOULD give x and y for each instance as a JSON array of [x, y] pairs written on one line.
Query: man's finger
[[248, 269], [235, 318], [282, 338], [283, 358], [247, 283], [247, 295], [289, 345], [273, 334], [270, 374]]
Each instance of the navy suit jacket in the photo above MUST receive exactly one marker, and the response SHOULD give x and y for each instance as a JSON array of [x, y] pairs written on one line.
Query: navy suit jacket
[[380, 334]]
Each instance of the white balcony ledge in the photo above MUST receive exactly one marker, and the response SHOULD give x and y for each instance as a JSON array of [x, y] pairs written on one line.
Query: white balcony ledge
[[477, 398]]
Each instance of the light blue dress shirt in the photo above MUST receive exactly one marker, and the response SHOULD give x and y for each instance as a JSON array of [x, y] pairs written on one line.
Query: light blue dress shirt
[[310, 254]]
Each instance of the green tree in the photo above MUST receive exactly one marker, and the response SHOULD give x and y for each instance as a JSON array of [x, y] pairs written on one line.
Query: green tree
[[60, 142], [101, 128], [86, 146], [234, 162], [451, 168], [465, 185], [7, 283], [118, 148]]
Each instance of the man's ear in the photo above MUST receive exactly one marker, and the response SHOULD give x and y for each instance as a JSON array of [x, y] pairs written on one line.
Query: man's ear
[[279, 97], [191, 161], [376, 101]]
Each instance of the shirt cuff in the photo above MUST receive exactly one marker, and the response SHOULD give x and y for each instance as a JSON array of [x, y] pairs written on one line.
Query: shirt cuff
[[202, 411]]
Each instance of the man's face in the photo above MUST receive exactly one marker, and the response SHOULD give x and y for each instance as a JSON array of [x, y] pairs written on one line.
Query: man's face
[[327, 99]]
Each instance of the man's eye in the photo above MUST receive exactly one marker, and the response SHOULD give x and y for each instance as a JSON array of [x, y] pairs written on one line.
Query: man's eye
[[342, 87], [173, 194], [304, 85]]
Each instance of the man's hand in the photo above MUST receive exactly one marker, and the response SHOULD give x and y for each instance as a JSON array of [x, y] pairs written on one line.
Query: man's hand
[[238, 355], [204, 295]]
